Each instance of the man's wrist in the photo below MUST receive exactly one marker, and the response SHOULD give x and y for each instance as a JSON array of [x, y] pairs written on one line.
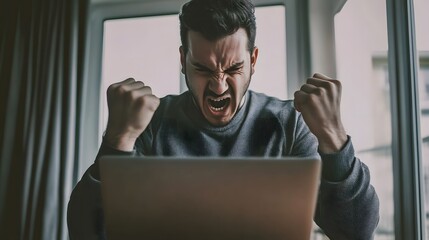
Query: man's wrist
[[121, 142], [337, 166], [333, 142]]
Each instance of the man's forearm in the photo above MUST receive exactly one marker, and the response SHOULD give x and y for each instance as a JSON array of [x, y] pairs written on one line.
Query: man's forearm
[[348, 209]]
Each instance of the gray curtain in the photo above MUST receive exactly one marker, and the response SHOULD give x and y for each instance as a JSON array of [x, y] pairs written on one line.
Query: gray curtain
[[41, 69]]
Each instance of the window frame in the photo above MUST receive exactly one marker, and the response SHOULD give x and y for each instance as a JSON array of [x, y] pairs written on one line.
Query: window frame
[[408, 175], [424, 63], [406, 147], [297, 54]]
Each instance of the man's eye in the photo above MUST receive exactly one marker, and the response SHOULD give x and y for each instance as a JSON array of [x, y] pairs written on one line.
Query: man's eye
[[233, 71], [202, 70]]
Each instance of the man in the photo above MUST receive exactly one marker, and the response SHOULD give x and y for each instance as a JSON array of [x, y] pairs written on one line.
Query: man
[[219, 116]]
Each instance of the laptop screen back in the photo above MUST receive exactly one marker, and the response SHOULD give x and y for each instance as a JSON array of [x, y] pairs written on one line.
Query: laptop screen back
[[209, 198]]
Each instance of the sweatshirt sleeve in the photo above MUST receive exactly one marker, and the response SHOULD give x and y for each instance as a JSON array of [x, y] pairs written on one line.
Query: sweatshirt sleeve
[[85, 218], [84, 212], [348, 206]]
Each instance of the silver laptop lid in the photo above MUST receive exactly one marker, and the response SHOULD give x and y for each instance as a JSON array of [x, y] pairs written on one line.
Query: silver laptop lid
[[209, 198]]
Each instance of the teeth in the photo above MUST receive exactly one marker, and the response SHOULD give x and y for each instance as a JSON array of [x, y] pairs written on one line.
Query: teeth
[[217, 104], [218, 100], [217, 109]]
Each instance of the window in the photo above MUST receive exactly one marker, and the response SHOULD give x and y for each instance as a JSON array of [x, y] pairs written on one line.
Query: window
[[424, 81], [147, 48], [361, 54], [381, 71], [270, 72], [422, 45], [361, 47]]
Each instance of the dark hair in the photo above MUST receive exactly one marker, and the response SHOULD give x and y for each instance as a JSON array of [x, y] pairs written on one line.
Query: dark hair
[[215, 19]]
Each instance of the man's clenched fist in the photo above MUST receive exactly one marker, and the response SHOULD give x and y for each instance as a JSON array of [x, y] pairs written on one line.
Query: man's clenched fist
[[131, 108], [319, 103]]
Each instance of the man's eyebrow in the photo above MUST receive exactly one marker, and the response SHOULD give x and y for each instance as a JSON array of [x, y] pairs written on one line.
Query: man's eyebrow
[[232, 67], [235, 66], [199, 65]]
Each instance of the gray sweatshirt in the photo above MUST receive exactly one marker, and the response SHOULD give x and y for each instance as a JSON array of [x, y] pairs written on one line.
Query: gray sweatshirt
[[347, 207]]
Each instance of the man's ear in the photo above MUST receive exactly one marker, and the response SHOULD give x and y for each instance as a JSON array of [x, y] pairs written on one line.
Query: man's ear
[[182, 58], [253, 58]]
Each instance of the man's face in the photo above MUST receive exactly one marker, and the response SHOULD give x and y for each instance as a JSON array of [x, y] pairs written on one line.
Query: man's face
[[218, 73]]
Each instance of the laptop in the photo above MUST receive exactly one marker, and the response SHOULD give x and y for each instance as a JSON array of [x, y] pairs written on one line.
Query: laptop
[[209, 197]]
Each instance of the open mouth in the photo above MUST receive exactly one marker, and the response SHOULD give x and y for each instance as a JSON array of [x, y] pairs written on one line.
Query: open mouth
[[218, 104]]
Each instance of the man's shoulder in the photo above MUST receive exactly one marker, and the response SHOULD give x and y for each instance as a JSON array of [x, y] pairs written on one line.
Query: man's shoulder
[[173, 101], [263, 102], [172, 106], [174, 98]]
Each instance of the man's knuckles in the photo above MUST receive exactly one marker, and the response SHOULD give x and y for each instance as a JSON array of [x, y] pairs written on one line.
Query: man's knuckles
[[317, 92], [133, 95], [301, 100], [333, 85], [154, 103], [308, 100], [327, 83], [117, 90], [148, 101], [130, 95], [337, 84]]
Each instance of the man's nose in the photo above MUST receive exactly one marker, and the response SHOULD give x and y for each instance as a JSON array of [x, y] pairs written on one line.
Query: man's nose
[[218, 84]]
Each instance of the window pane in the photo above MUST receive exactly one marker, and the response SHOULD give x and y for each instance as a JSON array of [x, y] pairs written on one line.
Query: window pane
[[361, 48], [422, 40], [147, 48], [270, 74]]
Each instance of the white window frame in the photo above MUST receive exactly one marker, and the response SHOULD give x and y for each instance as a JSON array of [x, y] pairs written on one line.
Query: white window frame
[[297, 55]]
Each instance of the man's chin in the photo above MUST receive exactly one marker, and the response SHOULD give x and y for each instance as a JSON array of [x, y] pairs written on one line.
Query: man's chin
[[218, 121]]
